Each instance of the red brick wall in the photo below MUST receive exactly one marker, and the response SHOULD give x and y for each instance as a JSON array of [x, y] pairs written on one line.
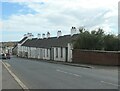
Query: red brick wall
[[95, 57]]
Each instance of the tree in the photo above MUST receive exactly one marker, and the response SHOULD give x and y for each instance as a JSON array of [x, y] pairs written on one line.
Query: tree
[[97, 40], [90, 40], [81, 29], [111, 43], [82, 41]]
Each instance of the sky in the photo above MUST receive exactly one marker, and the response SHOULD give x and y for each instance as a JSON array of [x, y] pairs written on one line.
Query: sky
[[19, 17]]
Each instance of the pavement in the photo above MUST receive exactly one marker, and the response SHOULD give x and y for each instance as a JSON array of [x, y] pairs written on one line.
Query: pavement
[[44, 75], [67, 63], [0, 76], [8, 82]]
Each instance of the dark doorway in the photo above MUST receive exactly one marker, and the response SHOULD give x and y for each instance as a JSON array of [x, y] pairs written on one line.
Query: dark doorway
[[51, 53], [66, 50]]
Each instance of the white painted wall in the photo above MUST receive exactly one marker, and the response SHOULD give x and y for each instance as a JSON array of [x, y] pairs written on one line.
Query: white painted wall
[[38, 53], [48, 54], [59, 58], [33, 52], [45, 54], [22, 50], [41, 53], [69, 52], [29, 56], [19, 49], [64, 54]]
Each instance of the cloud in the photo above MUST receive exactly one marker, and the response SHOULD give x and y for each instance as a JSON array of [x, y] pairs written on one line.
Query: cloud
[[10, 37], [62, 14], [20, 0]]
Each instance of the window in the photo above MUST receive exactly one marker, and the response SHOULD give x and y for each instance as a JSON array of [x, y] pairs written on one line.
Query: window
[[61, 52], [56, 52]]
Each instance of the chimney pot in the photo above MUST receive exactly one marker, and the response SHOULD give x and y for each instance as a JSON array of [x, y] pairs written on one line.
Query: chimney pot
[[73, 31], [43, 35], [39, 36], [30, 35], [48, 35], [59, 33], [25, 35]]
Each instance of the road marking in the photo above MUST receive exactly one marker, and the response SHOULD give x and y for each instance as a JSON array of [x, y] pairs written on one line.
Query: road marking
[[110, 83], [61, 71], [76, 75], [8, 65], [24, 87], [68, 73], [71, 73]]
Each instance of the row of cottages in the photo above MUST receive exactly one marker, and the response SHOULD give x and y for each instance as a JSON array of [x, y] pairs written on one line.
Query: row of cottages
[[50, 48]]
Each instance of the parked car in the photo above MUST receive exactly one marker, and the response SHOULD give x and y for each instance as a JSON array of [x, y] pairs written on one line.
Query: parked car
[[3, 56], [7, 56]]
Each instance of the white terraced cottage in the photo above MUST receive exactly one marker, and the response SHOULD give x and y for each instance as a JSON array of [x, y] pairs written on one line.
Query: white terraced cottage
[[50, 48]]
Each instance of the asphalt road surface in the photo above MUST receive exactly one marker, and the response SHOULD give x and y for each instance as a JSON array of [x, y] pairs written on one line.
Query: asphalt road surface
[[44, 75]]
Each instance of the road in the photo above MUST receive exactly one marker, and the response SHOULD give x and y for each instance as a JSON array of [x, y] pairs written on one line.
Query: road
[[44, 75]]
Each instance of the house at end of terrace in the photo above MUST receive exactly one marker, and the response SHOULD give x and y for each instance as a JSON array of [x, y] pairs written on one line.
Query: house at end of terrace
[[57, 48]]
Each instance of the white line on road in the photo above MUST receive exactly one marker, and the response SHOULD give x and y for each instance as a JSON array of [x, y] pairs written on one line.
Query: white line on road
[[76, 75], [8, 65], [61, 71], [68, 73], [16, 78], [110, 83]]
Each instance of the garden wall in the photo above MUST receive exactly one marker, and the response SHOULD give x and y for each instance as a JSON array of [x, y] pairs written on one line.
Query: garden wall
[[96, 57]]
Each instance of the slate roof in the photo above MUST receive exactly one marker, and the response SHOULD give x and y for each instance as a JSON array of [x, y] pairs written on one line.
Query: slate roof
[[22, 40], [14, 46], [61, 41]]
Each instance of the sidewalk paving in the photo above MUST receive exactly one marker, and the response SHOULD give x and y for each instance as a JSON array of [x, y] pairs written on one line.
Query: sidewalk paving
[[61, 62], [8, 82], [90, 66], [71, 64]]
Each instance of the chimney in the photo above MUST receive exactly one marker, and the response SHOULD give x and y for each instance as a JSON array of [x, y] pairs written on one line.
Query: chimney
[[29, 35], [59, 33], [73, 31], [25, 35], [43, 35], [48, 35], [38, 36]]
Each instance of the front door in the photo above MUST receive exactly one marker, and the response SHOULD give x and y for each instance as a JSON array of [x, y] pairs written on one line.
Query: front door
[[51, 53], [66, 49]]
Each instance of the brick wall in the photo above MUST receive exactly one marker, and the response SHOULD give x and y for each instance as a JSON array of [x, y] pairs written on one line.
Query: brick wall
[[95, 57]]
